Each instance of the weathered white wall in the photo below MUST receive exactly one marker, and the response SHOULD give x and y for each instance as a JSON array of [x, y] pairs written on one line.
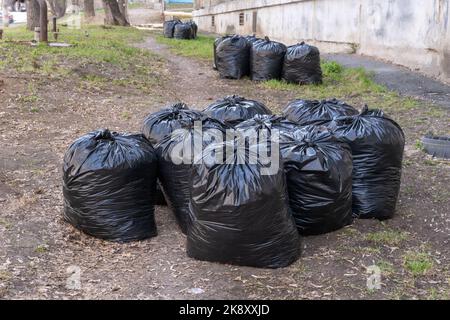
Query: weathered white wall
[[413, 33]]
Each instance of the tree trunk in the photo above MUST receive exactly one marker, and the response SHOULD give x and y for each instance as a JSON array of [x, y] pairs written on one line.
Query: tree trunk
[[123, 8], [89, 10], [32, 14], [113, 15], [43, 21], [58, 7]]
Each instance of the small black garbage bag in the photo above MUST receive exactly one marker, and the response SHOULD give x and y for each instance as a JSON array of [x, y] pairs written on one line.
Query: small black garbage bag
[[377, 144], [183, 31], [232, 57], [305, 112], [169, 28], [302, 64], [318, 170], [266, 60], [109, 186], [176, 156], [161, 124], [240, 214], [234, 109]]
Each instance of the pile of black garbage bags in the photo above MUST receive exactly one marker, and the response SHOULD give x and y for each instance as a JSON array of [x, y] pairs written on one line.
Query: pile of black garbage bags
[[262, 59], [248, 188], [180, 30]]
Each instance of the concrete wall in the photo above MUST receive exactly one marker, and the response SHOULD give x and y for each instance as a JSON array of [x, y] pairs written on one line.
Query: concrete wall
[[413, 33]]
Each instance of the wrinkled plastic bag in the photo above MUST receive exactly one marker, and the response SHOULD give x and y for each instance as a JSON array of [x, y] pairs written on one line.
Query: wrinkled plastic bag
[[176, 156], [268, 122], [216, 43], [159, 126], [169, 28], [318, 170], [194, 29], [234, 109], [302, 64], [232, 57], [306, 112], [239, 215], [109, 184], [377, 144], [266, 60], [183, 31]]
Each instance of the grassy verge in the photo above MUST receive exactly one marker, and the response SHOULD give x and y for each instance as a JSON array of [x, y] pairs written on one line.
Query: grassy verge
[[201, 48], [97, 54]]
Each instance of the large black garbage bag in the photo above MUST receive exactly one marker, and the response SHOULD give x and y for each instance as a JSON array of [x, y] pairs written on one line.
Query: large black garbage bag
[[240, 215], [377, 144], [176, 155], [318, 170], [159, 126], [109, 185], [194, 29], [169, 27], [305, 112], [234, 109], [302, 64], [183, 31], [216, 43], [266, 60], [232, 57]]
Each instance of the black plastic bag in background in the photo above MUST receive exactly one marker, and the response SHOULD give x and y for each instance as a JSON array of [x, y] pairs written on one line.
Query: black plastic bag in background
[[306, 112], [318, 170], [377, 144], [176, 156], [183, 31], [216, 43], [266, 60], [159, 126], [232, 57], [169, 28], [302, 64], [194, 29], [109, 186], [233, 110], [239, 214]]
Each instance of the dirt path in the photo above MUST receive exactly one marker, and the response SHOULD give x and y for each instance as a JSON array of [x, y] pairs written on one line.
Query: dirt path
[[38, 249]]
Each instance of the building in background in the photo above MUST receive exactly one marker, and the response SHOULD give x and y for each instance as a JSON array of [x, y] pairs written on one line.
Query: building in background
[[413, 33]]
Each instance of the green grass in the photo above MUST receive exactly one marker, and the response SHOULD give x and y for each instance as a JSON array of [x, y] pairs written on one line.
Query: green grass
[[201, 48], [417, 262], [108, 49], [386, 237]]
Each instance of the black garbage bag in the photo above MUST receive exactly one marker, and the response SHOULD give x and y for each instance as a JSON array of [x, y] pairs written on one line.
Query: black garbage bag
[[216, 43], [302, 64], [109, 186], [232, 57], [318, 170], [266, 60], [160, 125], [306, 112], [169, 28], [234, 109], [252, 39], [377, 144], [183, 31], [269, 122], [176, 155], [240, 215], [194, 29]]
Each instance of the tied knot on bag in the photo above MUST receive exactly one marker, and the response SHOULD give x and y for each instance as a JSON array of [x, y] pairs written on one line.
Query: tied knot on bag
[[104, 134]]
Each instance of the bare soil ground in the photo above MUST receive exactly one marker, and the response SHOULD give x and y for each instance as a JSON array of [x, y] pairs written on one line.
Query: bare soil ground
[[37, 247]]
